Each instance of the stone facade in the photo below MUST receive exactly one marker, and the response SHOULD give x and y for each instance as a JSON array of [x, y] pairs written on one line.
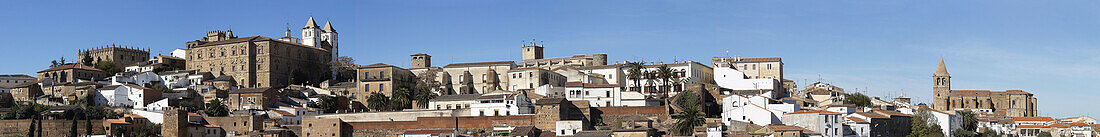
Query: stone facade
[[327, 127], [382, 78], [73, 72], [26, 91], [1011, 103], [258, 61], [420, 60], [120, 56], [7, 81], [252, 98]]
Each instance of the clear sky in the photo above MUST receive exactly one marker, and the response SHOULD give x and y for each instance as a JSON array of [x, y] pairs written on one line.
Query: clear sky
[[884, 48]]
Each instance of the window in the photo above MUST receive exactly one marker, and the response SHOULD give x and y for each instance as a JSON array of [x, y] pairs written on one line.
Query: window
[[769, 66]]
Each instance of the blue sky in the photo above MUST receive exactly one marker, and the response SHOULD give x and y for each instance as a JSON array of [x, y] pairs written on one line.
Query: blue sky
[[1047, 48]]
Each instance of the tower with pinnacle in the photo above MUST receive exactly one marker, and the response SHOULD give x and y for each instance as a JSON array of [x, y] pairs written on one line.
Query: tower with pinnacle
[[941, 87], [532, 51]]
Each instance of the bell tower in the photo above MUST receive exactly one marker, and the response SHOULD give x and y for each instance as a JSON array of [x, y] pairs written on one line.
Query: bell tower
[[941, 88], [532, 51], [311, 33]]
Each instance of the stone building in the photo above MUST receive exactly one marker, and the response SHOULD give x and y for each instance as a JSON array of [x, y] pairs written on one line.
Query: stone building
[[473, 78], [550, 110], [533, 57], [325, 127], [252, 98], [258, 61], [26, 91], [117, 54], [1011, 103], [73, 72], [532, 77], [383, 78], [12, 80]]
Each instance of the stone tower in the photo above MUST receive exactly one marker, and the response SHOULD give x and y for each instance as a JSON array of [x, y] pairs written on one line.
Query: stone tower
[[330, 37], [420, 60], [311, 33], [175, 123], [941, 87], [600, 59], [532, 51]]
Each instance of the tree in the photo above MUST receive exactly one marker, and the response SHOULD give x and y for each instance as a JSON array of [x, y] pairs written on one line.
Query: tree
[[1044, 134], [690, 117], [108, 67], [87, 59], [89, 101], [217, 109], [328, 104], [635, 69], [378, 102], [73, 130], [923, 124], [344, 67], [688, 100], [424, 96], [401, 99], [969, 125], [665, 73], [858, 99]]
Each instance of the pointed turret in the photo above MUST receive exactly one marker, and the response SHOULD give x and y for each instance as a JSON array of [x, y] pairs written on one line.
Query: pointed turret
[[328, 27], [942, 70], [311, 23]]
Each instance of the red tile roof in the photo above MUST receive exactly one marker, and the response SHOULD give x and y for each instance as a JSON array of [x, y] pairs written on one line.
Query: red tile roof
[[787, 128], [284, 113], [429, 131], [857, 120], [1032, 119], [812, 111], [70, 66]]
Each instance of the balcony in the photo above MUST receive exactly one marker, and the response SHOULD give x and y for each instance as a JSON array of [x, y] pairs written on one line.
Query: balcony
[[369, 79]]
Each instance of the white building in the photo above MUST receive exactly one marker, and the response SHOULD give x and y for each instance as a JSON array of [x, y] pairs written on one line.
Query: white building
[[460, 101], [179, 53], [127, 95], [141, 78], [733, 79], [857, 127], [824, 122], [759, 110], [502, 104], [947, 120], [687, 72], [531, 78], [568, 127], [284, 117], [175, 79]]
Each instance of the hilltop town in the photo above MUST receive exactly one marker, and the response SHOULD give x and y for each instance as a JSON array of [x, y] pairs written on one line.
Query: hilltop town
[[299, 85]]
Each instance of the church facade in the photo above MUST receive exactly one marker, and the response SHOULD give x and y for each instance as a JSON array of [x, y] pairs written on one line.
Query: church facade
[[1011, 103]]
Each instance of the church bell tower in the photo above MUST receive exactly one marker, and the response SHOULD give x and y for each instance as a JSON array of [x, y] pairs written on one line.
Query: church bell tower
[[941, 88], [311, 33]]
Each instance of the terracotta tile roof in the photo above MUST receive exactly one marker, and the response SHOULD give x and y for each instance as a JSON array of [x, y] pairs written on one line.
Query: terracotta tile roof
[[284, 113], [1032, 119], [578, 84], [193, 114], [787, 128], [1031, 126], [892, 113], [17, 76], [812, 111], [1016, 92], [70, 66], [1078, 124], [211, 125], [117, 121], [250, 90], [857, 120], [525, 68], [132, 116], [979, 93], [378, 65], [497, 96], [872, 115], [429, 131]]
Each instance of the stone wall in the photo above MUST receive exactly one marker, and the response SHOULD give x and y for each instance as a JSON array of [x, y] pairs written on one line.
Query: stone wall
[[51, 128], [614, 116]]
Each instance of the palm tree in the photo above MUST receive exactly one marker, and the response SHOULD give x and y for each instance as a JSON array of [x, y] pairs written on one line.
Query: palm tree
[[690, 116], [665, 74], [401, 99], [378, 101], [424, 96], [636, 74], [687, 120]]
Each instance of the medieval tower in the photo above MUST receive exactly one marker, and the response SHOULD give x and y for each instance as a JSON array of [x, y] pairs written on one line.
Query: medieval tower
[[941, 87]]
